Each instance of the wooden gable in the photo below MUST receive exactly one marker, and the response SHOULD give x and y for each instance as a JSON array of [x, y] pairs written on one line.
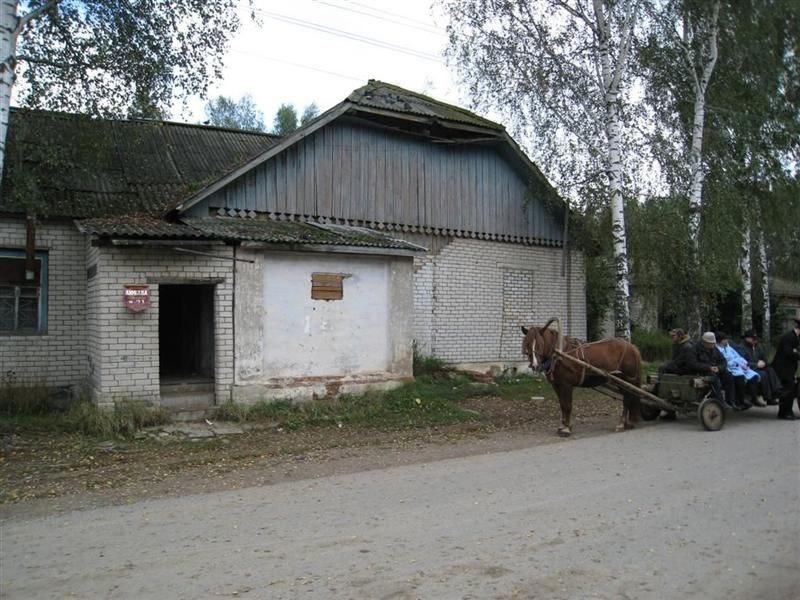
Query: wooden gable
[[360, 172]]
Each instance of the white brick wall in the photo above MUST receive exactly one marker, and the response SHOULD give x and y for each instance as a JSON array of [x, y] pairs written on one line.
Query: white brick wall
[[123, 346], [57, 357], [471, 296]]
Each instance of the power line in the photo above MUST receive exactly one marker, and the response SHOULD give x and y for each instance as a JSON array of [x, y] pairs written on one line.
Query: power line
[[426, 29], [387, 12], [299, 65], [352, 36]]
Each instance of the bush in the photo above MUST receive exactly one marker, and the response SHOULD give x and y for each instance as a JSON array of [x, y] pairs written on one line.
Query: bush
[[426, 365], [653, 345]]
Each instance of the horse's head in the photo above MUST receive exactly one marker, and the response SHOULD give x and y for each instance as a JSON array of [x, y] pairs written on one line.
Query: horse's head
[[538, 343]]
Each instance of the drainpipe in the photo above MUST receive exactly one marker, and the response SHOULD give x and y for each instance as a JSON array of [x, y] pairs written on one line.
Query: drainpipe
[[233, 322], [566, 267]]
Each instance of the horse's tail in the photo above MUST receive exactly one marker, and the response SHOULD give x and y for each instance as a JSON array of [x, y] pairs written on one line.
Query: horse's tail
[[635, 402], [638, 365]]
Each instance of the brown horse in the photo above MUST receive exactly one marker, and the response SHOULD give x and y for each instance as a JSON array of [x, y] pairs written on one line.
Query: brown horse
[[614, 355]]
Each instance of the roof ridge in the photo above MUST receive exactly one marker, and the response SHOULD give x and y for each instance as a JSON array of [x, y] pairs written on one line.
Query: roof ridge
[[455, 107], [75, 115]]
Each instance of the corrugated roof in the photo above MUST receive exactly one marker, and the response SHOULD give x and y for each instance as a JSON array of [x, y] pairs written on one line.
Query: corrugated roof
[[238, 229], [77, 166], [386, 96]]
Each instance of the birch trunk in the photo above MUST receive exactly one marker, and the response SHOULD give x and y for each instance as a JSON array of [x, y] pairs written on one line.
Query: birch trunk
[[622, 315], [763, 268], [696, 152], [9, 31], [611, 75], [747, 281]]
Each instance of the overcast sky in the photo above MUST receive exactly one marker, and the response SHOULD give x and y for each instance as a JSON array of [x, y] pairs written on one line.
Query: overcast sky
[[305, 51]]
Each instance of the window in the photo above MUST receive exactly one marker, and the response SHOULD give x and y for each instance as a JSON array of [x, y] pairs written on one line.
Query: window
[[327, 286], [23, 302]]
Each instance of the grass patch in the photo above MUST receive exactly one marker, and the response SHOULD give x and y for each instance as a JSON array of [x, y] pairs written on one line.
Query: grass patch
[[25, 399], [85, 418], [522, 388], [125, 419], [429, 400]]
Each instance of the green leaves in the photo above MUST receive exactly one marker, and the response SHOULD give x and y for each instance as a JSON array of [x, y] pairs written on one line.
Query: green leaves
[[106, 57], [235, 114]]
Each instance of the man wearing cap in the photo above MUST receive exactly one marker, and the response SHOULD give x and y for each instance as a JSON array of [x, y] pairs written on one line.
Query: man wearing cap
[[769, 384], [785, 365], [703, 358]]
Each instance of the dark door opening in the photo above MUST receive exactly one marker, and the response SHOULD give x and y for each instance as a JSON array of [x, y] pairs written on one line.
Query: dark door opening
[[186, 331]]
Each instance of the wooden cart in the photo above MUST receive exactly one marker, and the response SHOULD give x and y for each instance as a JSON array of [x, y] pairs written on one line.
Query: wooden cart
[[674, 394]]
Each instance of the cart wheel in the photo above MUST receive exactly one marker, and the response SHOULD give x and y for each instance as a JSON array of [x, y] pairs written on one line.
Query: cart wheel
[[711, 415], [649, 413]]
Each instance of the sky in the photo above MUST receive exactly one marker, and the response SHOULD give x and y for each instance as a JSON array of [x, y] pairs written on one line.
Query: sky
[[304, 51]]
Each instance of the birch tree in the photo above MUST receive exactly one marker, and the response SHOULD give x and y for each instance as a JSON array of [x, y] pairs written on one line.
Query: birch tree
[[693, 30], [747, 278], [558, 71], [104, 57], [766, 320]]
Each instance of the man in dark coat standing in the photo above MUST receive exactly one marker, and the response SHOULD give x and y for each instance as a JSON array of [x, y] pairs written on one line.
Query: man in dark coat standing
[[785, 365]]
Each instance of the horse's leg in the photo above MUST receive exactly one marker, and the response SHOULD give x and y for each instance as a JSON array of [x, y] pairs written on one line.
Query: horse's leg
[[628, 404], [624, 418], [564, 392]]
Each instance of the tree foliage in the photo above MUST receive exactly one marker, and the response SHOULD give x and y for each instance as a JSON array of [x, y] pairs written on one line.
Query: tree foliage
[[537, 63], [223, 111], [286, 120], [751, 134], [104, 57], [559, 68]]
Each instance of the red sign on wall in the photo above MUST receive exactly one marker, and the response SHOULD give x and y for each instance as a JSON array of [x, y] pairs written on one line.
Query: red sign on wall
[[136, 298]]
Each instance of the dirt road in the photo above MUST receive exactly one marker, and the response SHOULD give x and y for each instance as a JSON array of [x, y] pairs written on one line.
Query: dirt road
[[662, 512]]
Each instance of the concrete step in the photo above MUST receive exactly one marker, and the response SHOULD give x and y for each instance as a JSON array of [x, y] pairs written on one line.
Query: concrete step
[[184, 416], [187, 396]]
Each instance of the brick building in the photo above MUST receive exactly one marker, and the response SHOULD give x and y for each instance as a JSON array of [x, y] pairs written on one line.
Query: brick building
[[175, 262]]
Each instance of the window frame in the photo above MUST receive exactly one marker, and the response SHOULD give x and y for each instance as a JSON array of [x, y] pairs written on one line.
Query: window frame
[[42, 257]]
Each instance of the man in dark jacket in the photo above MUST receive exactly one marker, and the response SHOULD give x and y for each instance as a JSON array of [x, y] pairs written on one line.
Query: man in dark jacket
[[785, 365], [680, 345], [703, 358], [768, 382]]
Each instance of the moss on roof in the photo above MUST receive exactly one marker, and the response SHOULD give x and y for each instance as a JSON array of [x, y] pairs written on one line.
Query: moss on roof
[[387, 96], [70, 165], [240, 229]]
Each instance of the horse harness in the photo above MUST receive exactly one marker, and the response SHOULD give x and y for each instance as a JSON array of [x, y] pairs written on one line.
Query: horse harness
[[581, 352]]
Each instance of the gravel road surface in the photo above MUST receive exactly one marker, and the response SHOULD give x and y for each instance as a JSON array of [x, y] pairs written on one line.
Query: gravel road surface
[[668, 511]]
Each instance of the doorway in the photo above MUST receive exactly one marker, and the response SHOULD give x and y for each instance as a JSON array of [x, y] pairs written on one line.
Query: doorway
[[186, 333]]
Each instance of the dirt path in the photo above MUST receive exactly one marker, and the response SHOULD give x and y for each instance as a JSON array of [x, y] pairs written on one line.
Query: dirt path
[[47, 474], [668, 511]]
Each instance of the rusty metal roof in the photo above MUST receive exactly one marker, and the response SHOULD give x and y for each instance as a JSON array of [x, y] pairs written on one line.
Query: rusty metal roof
[[69, 165], [240, 229]]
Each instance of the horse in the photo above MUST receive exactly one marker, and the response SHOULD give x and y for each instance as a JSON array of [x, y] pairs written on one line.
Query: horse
[[614, 355]]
